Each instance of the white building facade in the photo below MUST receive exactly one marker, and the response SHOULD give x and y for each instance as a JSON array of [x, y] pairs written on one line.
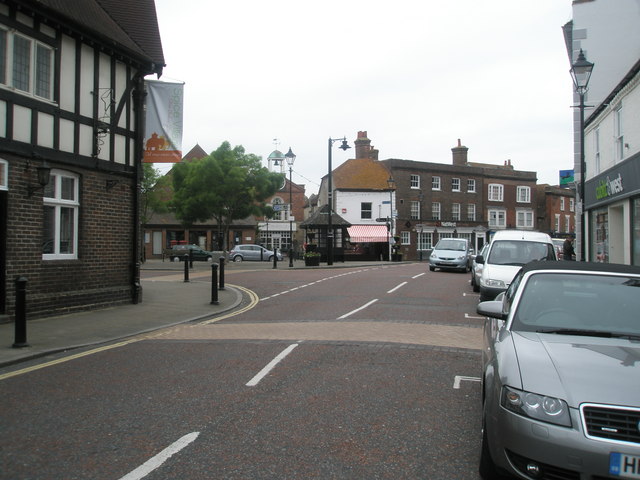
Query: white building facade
[[608, 34]]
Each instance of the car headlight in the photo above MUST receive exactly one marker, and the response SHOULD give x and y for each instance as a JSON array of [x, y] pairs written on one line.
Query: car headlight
[[434, 256], [461, 257], [539, 407], [489, 282]]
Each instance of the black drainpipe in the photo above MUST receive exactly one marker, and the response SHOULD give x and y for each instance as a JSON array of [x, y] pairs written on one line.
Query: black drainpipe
[[139, 93]]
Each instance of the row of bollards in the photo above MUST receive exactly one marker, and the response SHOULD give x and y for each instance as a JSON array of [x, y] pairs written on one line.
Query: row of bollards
[[215, 284], [20, 337]]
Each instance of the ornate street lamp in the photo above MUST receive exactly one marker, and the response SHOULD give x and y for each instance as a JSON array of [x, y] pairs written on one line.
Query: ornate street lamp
[[290, 157], [581, 73], [345, 146]]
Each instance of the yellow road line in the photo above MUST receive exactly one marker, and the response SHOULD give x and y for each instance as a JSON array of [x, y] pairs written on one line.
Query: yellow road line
[[253, 302]]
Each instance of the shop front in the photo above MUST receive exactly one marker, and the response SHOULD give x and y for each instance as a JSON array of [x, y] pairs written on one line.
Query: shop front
[[613, 214]]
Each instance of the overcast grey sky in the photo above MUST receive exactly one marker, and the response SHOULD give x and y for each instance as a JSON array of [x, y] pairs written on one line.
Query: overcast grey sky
[[415, 74]]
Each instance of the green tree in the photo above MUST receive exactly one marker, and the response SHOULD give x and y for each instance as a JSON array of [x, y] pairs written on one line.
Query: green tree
[[154, 193], [227, 185]]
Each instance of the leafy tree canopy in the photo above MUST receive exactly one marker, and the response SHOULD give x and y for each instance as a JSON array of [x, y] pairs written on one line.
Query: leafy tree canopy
[[227, 185]]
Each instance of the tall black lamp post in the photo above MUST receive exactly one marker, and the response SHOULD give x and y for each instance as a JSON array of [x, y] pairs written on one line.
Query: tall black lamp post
[[345, 146], [391, 183], [291, 157], [581, 73]]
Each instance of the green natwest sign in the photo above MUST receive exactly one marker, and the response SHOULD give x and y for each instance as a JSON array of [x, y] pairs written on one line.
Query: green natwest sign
[[607, 188]]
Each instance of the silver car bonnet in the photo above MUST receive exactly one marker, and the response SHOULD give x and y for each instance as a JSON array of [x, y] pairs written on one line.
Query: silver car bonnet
[[580, 369]]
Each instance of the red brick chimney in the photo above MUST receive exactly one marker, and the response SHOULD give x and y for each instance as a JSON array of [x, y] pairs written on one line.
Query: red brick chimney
[[364, 148], [459, 154]]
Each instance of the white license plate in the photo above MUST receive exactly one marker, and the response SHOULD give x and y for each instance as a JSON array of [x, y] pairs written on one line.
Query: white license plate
[[624, 466]]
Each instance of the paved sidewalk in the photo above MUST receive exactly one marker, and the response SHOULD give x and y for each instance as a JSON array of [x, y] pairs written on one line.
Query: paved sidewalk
[[166, 300]]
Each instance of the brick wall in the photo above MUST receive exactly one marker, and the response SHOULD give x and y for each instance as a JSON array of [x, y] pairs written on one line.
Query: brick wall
[[102, 273]]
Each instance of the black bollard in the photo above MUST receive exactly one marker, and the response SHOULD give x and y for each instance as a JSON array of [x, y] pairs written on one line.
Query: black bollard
[[214, 284], [221, 287], [190, 258], [21, 313], [186, 267], [275, 257]]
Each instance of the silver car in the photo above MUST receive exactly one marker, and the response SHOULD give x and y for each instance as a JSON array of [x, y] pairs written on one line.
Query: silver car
[[451, 253], [253, 253], [561, 373]]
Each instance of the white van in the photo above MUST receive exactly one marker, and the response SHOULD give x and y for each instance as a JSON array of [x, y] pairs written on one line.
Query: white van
[[508, 251]]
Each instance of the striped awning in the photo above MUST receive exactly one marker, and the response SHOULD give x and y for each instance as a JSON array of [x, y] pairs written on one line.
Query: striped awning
[[368, 233]]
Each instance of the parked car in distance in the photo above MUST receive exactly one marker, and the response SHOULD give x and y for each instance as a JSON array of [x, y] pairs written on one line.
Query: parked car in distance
[[476, 269], [558, 243], [560, 373], [177, 253], [451, 253], [256, 253], [508, 251]]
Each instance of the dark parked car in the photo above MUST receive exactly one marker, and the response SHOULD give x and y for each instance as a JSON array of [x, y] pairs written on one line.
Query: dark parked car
[[178, 252], [561, 373]]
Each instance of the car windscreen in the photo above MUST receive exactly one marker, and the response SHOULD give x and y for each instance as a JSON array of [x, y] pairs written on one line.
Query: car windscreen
[[580, 304], [451, 244], [519, 252]]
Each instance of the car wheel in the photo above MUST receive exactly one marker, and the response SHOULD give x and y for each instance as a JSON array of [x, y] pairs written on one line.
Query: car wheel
[[237, 258], [432, 268], [209, 259], [271, 258], [175, 259], [476, 287]]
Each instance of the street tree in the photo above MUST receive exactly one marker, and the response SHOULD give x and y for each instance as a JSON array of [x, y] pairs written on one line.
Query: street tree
[[227, 185], [154, 189]]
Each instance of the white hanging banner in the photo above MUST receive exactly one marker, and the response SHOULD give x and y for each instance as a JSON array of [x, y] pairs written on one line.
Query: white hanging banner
[[163, 129]]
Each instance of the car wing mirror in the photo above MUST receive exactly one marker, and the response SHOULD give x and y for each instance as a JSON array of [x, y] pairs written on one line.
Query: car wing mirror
[[479, 259], [491, 309]]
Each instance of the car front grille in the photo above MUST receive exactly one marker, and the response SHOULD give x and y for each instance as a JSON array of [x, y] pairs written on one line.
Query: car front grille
[[612, 423]]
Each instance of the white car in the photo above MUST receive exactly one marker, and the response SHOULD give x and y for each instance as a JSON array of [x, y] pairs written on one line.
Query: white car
[[476, 269], [508, 251]]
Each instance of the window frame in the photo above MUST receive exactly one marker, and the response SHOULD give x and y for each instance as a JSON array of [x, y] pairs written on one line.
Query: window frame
[[455, 212], [38, 72], [455, 185], [58, 203], [405, 237], [436, 211], [436, 183], [414, 213], [363, 210], [500, 217], [4, 175], [414, 181], [495, 192], [471, 212], [524, 218], [523, 194], [471, 185], [618, 132]]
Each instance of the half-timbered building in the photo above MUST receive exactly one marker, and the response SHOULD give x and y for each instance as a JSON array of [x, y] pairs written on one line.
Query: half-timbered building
[[71, 135]]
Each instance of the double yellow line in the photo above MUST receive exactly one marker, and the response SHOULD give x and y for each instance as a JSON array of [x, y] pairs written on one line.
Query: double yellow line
[[253, 301]]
